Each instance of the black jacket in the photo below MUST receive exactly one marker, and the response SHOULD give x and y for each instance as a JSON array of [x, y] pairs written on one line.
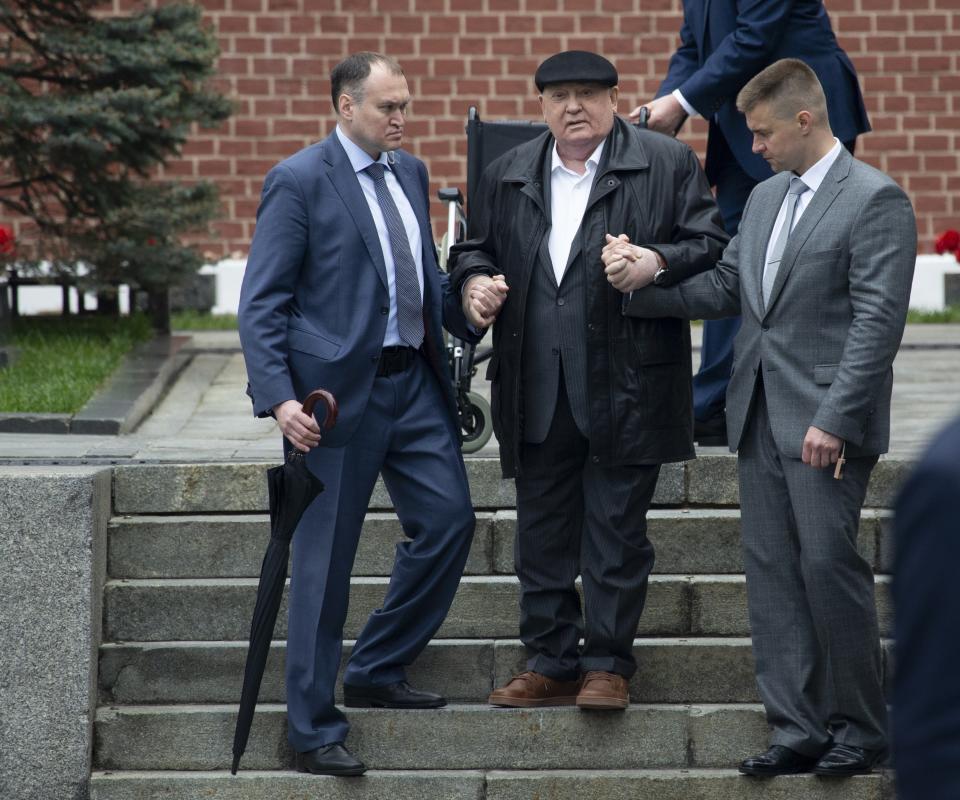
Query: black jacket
[[650, 187]]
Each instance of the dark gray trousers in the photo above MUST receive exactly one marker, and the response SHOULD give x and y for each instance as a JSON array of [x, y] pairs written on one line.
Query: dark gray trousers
[[810, 595], [577, 518]]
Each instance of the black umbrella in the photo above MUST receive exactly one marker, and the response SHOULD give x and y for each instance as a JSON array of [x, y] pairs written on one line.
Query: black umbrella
[[292, 488]]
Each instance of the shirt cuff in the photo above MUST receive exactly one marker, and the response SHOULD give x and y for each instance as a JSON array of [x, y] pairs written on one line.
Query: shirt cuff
[[691, 111]]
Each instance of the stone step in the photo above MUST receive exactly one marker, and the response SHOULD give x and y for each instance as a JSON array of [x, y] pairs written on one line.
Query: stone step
[[587, 784], [709, 480], [700, 670], [219, 609], [686, 541], [455, 737]]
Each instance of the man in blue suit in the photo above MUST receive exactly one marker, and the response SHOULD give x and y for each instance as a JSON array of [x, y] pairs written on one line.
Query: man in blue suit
[[342, 291], [723, 44], [926, 604]]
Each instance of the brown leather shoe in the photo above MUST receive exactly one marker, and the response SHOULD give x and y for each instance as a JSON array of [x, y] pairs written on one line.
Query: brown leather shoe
[[531, 689], [605, 690]]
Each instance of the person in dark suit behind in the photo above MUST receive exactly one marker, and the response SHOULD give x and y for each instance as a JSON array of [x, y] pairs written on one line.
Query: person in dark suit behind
[[821, 271], [723, 44], [587, 404], [926, 605], [342, 291]]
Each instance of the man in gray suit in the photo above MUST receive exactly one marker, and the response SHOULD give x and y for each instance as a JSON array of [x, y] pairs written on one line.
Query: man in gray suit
[[821, 272]]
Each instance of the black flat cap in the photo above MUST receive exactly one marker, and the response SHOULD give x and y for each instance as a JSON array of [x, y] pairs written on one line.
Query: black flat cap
[[576, 65]]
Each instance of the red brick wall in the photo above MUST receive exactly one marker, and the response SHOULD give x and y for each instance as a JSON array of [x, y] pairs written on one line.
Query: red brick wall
[[276, 55]]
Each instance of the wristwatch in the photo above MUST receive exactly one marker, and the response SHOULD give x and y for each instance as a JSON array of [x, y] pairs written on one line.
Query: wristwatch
[[660, 276]]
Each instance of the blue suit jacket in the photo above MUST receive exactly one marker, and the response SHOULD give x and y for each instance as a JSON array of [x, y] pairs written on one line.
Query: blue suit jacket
[[724, 43], [314, 300], [926, 597]]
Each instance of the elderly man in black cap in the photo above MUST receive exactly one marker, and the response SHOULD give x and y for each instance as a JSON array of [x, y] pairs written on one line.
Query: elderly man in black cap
[[587, 403]]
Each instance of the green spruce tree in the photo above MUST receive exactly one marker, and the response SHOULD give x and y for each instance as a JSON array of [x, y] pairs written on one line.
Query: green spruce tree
[[90, 106]]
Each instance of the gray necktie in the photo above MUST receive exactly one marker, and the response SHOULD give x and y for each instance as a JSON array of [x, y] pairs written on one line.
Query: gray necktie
[[797, 188], [409, 305]]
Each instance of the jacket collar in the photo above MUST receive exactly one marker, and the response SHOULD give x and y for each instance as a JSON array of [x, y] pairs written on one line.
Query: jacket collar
[[823, 198], [623, 151], [343, 176]]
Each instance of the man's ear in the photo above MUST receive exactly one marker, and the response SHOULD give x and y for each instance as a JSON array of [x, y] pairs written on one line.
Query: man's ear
[[345, 106], [804, 121]]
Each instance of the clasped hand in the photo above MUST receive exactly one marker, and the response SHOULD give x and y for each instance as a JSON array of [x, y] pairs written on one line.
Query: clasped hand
[[820, 449], [301, 430], [666, 115], [628, 267], [483, 297]]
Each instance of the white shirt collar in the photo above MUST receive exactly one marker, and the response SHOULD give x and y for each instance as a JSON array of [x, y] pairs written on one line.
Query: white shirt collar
[[814, 176], [591, 163], [360, 158]]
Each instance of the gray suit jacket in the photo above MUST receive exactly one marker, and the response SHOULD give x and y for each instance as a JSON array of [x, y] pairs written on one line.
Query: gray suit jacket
[[828, 336]]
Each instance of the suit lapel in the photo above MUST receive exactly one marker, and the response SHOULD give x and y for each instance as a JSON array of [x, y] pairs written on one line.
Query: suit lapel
[[768, 218], [347, 185], [403, 171], [406, 176], [823, 198]]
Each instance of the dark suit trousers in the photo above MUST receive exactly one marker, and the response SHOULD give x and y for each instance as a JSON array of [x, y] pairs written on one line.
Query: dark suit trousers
[[407, 435], [577, 518], [810, 596]]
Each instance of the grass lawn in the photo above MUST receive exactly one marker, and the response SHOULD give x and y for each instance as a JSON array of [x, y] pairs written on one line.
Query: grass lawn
[[60, 362], [949, 314], [197, 321]]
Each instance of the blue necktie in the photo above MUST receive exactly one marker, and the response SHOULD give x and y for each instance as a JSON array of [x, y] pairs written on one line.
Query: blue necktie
[[409, 305], [797, 188]]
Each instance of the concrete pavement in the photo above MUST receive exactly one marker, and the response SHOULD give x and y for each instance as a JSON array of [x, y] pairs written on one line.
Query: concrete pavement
[[205, 415]]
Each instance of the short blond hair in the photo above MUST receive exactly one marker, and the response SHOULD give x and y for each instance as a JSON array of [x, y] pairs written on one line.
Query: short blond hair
[[788, 86]]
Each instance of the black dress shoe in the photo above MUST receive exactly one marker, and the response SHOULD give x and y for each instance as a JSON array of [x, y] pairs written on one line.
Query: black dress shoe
[[334, 759], [778, 760], [393, 695], [845, 759], [711, 432]]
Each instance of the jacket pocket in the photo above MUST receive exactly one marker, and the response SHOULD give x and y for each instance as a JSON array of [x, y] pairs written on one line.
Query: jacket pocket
[[311, 344], [825, 258], [659, 341], [825, 373]]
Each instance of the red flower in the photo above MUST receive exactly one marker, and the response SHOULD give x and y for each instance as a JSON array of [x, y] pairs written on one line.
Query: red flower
[[949, 242], [7, 241]]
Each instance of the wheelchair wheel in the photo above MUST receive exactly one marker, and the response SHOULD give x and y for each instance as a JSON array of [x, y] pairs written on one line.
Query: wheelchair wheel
[[475, 422]]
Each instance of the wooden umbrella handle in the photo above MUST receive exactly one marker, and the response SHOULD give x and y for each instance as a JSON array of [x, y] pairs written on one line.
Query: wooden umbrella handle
[[322, 394]]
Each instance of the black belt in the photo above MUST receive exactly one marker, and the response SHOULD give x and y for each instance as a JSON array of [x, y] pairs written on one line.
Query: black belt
[[395, 358]]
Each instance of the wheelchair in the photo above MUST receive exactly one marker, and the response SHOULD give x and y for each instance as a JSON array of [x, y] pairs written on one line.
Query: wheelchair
[[486, 141]]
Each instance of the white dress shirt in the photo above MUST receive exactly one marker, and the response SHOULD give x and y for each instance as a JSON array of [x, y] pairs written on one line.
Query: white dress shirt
[[569, 193], [813, 177], [360, 160], [691, 111]]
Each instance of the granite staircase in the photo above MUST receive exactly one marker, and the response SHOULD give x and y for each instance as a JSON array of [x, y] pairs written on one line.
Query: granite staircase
[[185, 544]]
